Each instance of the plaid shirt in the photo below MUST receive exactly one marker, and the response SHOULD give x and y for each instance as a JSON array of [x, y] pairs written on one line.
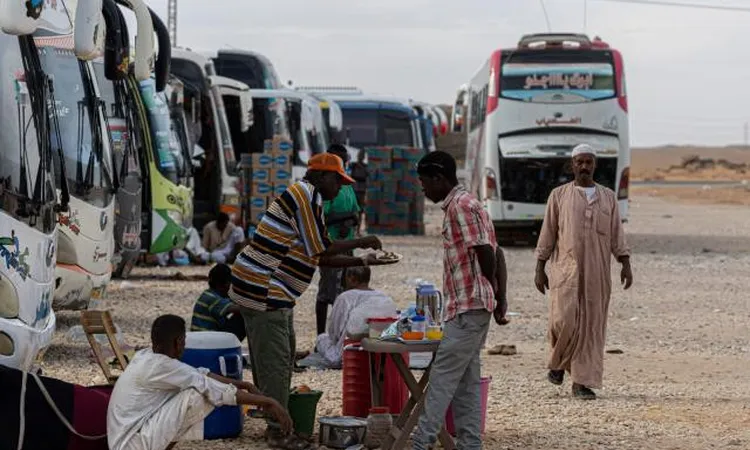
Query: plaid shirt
[[466, 225]]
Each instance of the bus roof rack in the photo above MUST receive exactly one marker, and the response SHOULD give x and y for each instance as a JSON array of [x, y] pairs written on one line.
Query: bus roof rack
[[353, 90], [542, 40]]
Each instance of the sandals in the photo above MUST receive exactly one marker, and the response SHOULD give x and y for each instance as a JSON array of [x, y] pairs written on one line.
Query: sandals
[[556, 377], [583, 393]]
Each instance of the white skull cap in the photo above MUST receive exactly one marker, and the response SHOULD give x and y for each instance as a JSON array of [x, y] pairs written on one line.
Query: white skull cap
[[583, 149]]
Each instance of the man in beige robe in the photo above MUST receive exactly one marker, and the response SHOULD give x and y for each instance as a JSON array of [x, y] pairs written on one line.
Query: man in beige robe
[[581, 230]]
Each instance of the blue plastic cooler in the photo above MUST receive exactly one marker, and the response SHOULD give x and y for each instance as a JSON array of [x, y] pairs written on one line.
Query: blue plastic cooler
[[220, 353]]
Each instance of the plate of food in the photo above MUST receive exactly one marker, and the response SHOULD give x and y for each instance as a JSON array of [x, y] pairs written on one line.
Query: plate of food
[[388, 257]]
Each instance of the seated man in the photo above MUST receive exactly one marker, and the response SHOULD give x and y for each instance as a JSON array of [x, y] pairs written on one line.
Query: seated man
[[219, 238], [159, 400], [213, 311], [350, 313]]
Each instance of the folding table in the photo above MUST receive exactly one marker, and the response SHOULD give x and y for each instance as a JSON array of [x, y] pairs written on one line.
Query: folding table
[[407, 421]]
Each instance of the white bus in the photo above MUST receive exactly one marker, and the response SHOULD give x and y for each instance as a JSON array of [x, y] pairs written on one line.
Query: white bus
[[527, 107]]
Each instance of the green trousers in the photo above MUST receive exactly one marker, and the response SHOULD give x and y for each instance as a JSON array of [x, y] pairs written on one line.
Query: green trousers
[[270, 336]]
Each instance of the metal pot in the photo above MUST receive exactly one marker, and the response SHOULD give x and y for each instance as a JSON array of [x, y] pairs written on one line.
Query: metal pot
[[342, 432]]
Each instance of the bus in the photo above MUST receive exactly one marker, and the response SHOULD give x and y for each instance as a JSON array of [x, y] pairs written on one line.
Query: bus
[[526, 109], [251, 68], [372, 120], [29, 202], [209, 128], [457, 112], [85, 239], [296, 115]]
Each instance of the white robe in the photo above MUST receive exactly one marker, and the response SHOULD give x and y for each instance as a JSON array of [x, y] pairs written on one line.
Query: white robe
[[159, 400], [349, 316]]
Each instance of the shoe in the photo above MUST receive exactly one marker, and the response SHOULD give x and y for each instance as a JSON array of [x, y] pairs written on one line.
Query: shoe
[[556, 377], [583, 393]]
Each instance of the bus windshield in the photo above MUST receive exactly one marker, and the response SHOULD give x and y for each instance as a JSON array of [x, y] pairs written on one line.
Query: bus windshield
[[87, 167], [557, 76], [361, 127], [18, 139], [368, 127]]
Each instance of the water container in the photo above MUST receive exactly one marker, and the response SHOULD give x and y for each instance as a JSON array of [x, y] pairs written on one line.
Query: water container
[[220, 353], [357, 391]]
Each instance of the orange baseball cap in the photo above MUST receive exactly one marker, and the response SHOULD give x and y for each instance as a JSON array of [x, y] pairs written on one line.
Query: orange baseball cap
[[328, 162]]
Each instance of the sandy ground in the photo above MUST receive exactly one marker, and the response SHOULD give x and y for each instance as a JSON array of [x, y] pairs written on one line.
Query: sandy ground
[[681, 382], [700, 194]]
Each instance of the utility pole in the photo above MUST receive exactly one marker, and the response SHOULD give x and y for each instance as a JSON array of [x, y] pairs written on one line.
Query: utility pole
[[747, 131], [172, 21]]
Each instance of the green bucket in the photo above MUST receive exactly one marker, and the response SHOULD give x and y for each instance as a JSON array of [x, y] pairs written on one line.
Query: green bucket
[[303, 407]]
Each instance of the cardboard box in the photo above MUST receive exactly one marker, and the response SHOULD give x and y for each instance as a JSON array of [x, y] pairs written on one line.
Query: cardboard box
[[412, 154], [408, 185], [282, 147], [281, 176], [262, 189], [388, 196], [280, 188], [373, 196], [262, 161], [282, 162], [261, 175], [403, 197], [258, 205], [379, 157]]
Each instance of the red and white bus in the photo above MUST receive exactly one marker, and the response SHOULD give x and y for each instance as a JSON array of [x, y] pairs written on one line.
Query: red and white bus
[[527, 107]]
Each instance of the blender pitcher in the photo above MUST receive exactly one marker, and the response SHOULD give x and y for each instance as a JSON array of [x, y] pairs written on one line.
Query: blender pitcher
[[430, 301]]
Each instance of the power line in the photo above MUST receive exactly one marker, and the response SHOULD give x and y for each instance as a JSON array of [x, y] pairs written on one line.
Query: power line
[[546, 17], [585, 15], [679, 4]]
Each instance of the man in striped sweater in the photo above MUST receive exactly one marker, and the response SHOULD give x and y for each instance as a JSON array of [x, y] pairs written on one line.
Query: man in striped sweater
[[277, 266]]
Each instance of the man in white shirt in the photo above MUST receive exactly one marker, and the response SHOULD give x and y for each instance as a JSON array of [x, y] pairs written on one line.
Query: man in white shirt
[[350, 313], [159, 400]]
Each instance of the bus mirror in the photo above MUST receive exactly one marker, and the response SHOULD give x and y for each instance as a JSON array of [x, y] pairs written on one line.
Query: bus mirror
[[18, 17], [89, 30]]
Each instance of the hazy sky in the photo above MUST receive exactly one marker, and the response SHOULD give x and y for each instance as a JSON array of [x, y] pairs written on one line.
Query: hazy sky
[[687, 70]]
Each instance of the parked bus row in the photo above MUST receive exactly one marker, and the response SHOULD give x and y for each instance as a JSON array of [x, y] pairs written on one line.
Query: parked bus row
[[103, 144]]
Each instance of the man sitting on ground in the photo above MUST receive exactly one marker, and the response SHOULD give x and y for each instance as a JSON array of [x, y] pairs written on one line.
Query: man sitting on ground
[[350, 313], [213, 311], [219, 239], [159, 400]]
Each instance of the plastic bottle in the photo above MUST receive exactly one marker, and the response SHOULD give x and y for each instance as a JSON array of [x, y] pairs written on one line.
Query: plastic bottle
[[379, 424], [419, 324]]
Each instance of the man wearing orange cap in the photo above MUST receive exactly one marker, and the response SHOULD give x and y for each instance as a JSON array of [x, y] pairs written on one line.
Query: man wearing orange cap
[[277, 266]]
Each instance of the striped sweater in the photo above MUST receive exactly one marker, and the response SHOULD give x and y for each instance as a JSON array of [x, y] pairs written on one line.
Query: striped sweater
[[279, 263]]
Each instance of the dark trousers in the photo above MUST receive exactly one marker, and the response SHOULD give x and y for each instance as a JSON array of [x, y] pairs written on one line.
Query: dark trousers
[[234, 325]]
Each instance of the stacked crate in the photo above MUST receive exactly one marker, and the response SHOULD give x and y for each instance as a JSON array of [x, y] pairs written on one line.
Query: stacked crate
[[395, 202], [268, 176]]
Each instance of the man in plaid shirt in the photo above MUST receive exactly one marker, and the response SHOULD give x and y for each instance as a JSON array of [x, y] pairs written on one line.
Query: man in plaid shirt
[[470, 284]]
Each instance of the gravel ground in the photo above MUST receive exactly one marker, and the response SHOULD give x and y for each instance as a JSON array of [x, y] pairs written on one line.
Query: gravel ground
[[680, 383]]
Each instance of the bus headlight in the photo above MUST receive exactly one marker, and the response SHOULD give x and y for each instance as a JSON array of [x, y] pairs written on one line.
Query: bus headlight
[[490, 180], [8, 299], [7, 347]]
